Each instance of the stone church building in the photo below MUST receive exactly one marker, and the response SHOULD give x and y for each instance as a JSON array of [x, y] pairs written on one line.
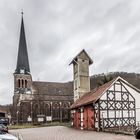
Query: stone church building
[[36, 101]]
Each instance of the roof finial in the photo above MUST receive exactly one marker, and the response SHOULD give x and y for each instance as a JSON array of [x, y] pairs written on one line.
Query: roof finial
[[22, 12]]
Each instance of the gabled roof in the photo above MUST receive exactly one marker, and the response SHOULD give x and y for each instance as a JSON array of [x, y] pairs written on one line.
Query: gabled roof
[[53, 88], [22, 60], [75, 58], [95, 94]]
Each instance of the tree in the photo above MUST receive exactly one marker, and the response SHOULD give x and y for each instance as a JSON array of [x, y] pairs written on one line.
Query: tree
[[106, 79]]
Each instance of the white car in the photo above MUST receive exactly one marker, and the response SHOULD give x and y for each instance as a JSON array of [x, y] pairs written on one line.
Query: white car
[[7, 136]]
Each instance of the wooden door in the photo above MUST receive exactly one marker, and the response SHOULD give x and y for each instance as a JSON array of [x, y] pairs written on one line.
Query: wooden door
[[88, 118], [76, 122]]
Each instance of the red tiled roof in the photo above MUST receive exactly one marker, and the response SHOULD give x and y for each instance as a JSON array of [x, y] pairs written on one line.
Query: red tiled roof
[[91, 96], [2, 110]]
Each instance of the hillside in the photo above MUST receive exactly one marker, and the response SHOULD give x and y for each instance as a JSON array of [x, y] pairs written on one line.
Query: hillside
[[132, 78]]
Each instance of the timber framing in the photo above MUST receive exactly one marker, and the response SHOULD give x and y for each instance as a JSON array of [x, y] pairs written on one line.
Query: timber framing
[[114, 106]]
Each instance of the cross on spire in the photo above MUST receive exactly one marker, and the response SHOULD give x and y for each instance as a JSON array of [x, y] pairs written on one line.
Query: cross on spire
[[22, 13]]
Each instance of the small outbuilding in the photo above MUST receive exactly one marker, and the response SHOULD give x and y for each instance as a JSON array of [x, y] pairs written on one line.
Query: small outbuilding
[[111, 106]]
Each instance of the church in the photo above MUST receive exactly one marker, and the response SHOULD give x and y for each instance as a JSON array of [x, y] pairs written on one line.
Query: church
[[36, 101]]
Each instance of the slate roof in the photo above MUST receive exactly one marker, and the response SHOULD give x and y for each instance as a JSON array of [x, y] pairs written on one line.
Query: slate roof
[[53, 88], [22, 60], [91, 96], [75, 58]]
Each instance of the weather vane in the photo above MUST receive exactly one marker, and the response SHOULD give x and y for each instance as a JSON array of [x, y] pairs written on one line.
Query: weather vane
[[22, 12]]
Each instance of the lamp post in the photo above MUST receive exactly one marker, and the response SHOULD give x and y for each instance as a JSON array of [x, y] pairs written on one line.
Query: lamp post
[[18, 108], [61, 112], [132, 120], [31, 112], [119, 120], [119, 116], [103, 121], [17, 117], [51, 112]]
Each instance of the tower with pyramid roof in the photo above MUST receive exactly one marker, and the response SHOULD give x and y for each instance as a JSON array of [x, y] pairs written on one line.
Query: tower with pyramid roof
[[22, 76], [81, 79]]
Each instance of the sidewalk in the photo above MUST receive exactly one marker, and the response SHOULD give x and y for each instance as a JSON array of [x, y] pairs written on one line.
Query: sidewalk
[[16, 133]]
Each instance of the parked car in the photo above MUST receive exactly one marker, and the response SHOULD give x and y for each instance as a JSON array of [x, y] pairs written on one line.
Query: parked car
[[4, 120], [3, 128], [6, 136], [137, 133]]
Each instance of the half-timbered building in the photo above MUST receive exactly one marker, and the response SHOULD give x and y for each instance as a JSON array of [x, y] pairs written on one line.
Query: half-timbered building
[[110, 106]]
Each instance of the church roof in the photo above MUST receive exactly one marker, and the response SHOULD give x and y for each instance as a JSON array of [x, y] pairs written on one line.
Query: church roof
[[22, 60], [53, 88]]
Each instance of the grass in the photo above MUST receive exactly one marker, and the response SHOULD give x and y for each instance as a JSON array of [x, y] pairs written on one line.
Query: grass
[[23, 126]]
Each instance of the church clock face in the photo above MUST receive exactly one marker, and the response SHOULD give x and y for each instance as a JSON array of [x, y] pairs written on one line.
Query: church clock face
[[22, 71]]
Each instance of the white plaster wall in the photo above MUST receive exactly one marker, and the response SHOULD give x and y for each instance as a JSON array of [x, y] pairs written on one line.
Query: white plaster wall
[[121, 113], [136, 95]]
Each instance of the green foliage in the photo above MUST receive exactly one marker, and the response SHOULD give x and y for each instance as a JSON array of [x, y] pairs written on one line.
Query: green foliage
[[105, 79]]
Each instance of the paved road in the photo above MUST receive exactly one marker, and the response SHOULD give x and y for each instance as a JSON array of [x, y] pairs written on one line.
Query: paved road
[[65, 133]]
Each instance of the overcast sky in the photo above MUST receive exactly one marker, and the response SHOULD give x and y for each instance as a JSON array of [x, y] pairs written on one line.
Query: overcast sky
[[56, 30]]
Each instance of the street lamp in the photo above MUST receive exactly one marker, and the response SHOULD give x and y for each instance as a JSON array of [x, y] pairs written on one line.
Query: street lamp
[[103, 121], [119, 116], [18, 108], [31, 112], [132, 119], [61, 112], [17, 117]]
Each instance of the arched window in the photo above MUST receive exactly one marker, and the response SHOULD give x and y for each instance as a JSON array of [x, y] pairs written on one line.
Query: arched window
[[25, 83], [25, 111], [65, 110], [22, 83], [36, 110], [18, 83], [56, 111], [48, 110]]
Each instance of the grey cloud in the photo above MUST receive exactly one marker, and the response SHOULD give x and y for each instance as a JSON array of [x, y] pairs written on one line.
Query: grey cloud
[[57, 30]]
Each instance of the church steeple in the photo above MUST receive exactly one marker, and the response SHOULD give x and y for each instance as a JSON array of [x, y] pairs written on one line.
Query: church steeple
[[22, 60], [22, 76]]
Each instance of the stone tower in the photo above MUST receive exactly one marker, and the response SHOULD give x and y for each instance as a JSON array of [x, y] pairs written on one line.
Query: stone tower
[[81, 77], [22, 76]]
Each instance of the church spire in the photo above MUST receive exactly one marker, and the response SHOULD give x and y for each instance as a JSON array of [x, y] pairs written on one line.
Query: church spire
[[22, 60]]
